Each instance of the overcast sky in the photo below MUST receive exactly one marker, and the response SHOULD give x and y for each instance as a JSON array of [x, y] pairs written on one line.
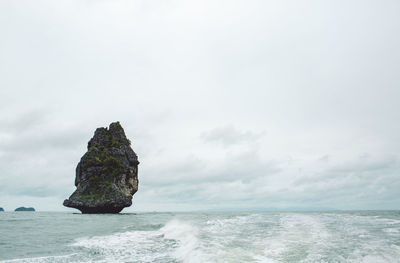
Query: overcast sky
[[228, 104]]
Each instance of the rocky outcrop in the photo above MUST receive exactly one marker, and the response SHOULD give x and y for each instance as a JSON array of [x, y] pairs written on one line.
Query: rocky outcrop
[[107, 174], [25, 209], [1, 209]]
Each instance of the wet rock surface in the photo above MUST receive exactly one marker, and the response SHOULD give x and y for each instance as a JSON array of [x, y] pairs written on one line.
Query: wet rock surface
[[107, 174]]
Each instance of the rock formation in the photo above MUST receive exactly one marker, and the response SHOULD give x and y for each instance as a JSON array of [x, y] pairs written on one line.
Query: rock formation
[[24, 209], [107, 174], [1, 209]]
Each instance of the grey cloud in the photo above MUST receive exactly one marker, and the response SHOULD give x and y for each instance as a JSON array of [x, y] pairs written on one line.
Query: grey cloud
[[229, 135], [37, 142], [353, 184], [245, 166], [24, 121], [355, 188], [36, 131], [367, 163]]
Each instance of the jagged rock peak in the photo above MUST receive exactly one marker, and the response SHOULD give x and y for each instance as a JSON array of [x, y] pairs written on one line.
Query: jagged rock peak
[[106, 176], [113, 136]]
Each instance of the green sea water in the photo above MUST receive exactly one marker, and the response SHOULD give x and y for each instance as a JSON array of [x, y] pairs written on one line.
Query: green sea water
[[358, 236]]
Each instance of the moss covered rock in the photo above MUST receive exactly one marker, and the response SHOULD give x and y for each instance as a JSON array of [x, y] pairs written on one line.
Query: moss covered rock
[[107, 174]]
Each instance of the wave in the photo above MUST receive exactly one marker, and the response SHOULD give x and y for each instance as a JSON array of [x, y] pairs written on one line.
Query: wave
[[143, 246], [176, 241], [253, 237], [188, 247]]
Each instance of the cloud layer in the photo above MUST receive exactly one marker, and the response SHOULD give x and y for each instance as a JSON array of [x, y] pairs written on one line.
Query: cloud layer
[[229, 105]]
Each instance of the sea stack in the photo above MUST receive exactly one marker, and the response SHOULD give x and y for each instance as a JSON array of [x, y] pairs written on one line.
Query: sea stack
[[24, 209], [107, 174]]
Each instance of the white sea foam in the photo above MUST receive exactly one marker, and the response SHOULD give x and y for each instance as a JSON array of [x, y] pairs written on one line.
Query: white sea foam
[[176, 241], [49, 259], [392, 231], [244, 237], [297, 238], [143, 246], [187, 238], [237, 238]]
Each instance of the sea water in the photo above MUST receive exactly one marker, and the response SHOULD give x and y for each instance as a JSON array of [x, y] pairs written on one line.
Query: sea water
[[366, 236]]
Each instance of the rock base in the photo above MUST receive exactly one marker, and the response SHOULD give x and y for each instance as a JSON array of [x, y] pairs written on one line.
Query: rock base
[[101, 210]]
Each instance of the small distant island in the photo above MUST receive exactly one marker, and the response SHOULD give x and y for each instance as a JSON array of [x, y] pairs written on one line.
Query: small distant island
[[1, 209], [25, 209], [107, 174]]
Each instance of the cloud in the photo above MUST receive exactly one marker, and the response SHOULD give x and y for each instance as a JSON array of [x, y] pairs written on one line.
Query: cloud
[[228, 104], [278, 185], [229, 135]]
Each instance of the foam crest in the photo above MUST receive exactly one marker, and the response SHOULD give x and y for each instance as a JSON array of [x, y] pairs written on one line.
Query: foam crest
[[237, 238], [144, 246], [297, 238], [188, 243]]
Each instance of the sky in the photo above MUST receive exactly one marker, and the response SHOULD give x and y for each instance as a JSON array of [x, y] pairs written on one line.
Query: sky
[[230, 105]]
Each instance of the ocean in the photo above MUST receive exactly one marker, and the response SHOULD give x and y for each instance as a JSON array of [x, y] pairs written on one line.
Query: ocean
[[357, 236]]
